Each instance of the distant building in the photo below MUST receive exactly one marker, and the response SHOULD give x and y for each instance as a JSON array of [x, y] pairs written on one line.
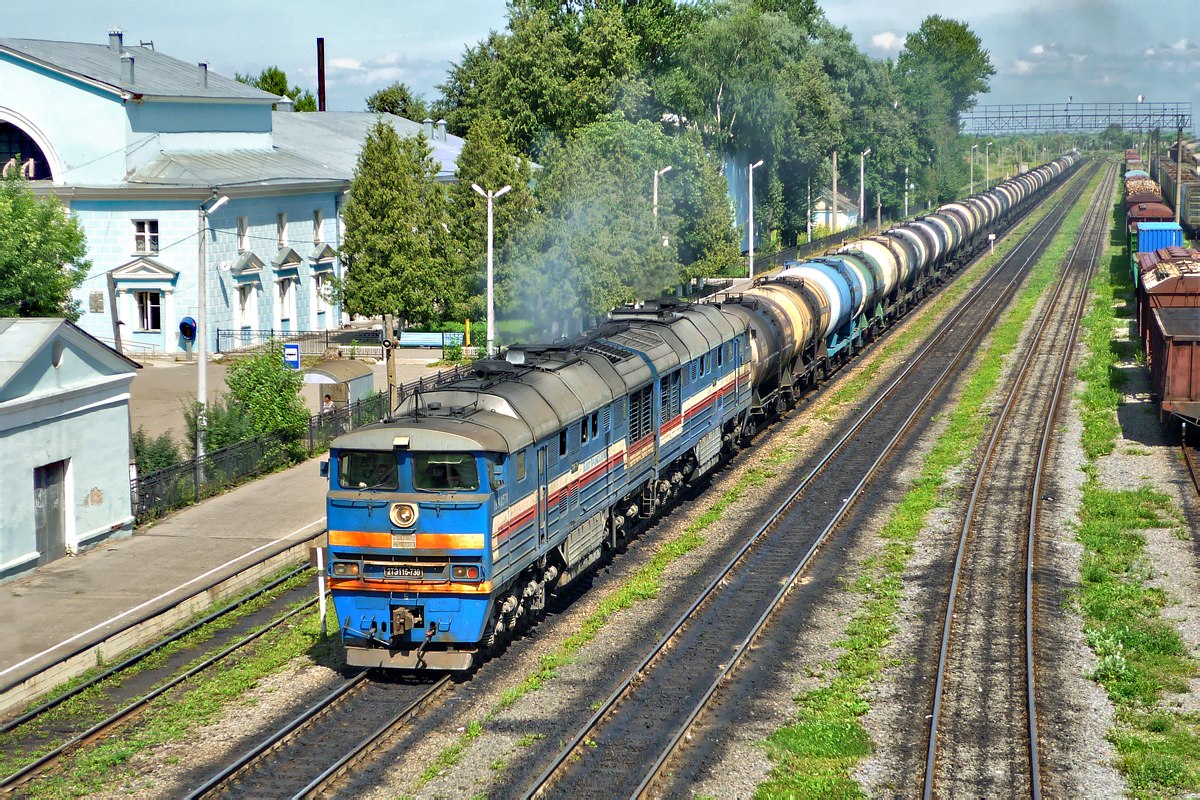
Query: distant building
[[64, 442], [823, 212], [134, 141]]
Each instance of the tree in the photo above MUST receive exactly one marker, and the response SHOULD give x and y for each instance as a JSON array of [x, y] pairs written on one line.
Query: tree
[[488, 160], [399, 99], [42, 253], [397, 244], [274, 80], [269, 393], [949, 51]]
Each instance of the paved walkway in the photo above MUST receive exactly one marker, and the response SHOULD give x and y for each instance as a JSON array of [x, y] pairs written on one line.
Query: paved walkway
[[74, 605], [72, 602]]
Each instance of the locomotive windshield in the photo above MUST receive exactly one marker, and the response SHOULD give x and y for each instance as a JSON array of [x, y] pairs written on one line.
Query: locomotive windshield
[[442, 472], [367, 470]]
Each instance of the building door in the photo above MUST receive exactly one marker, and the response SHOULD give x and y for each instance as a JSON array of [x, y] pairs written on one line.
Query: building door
[[542, 495], [49, 511]]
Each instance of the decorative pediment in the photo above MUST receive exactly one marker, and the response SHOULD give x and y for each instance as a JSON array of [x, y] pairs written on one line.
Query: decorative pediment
[[322, 257], [145, 269], [247, 267], [286, 259]]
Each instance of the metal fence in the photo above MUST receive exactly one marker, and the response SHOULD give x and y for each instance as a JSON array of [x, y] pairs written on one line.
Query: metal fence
[[366, 341], [157, 493]]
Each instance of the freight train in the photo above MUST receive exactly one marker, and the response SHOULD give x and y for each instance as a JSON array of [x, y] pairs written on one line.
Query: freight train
[[1166, 280], [451, 523]]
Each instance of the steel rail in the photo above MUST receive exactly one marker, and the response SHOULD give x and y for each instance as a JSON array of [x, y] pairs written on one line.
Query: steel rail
[[33, 713], [322, 781], [543, 780], [230, 771], [1190, 460], [26, 772], [985, 461]]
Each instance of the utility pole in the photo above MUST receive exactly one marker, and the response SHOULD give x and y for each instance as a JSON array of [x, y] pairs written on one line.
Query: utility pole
[[808, 226], [862, 186], [491, 304], [658, 173], [202, 334], [389, 355], [750, 215], [1178, 170], [906, 192], [833, 199]]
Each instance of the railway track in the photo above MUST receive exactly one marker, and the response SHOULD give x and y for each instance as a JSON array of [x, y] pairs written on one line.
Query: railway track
[[301, 759], [983, 737], [42, 745], [620, 749], [1190, 458]]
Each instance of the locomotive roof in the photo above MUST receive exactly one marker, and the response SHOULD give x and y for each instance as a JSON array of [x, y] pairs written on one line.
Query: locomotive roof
[[539, 389]]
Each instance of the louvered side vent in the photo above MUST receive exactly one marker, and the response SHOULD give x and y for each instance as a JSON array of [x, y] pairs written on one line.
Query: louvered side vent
[[574, 499], [606, 419], [552, 454], [573, 440], [613, 354]]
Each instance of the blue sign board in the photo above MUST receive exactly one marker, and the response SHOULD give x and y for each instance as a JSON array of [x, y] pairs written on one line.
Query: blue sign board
[[291, 356]]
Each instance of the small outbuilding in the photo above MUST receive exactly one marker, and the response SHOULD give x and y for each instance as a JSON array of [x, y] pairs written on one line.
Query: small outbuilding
[[345, 380], [64, 442]]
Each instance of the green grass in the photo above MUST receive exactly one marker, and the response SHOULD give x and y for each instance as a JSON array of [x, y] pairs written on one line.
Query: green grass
[[816, 756], [1140, 657]]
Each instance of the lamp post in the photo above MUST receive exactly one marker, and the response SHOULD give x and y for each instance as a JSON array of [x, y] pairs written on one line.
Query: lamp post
[[491, 308], [750, 215], [202, 333], [987, 166], [906, 188], [862, 194], [658, 173], [974, 147]]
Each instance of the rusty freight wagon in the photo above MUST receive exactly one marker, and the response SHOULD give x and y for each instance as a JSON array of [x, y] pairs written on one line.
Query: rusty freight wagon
[[1174, 342]]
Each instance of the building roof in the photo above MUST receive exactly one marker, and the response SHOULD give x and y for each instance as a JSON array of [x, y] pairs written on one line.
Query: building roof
[[843, 201], [334, 138], [308, 147], [154, 75], [23, 337]]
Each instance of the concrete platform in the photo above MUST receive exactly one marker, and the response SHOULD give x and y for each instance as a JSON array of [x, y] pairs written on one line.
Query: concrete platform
[[77, 612]]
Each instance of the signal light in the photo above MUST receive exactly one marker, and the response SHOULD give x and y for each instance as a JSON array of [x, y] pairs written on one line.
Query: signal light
[[465, 572]]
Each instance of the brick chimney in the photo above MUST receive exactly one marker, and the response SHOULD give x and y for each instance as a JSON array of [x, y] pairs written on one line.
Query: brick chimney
[[127, 67], [116, 40]]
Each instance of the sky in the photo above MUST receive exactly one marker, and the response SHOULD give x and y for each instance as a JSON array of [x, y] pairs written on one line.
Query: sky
[[1043, 50]]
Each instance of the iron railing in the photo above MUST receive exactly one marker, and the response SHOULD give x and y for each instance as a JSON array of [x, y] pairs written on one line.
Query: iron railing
[[366, 341], [156, 493]]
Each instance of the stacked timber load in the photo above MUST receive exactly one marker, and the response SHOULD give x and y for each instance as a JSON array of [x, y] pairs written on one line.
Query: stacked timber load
[[1142, 186]]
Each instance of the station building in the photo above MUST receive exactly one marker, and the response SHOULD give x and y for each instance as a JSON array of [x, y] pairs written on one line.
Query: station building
[[136, 142], [64, 441]]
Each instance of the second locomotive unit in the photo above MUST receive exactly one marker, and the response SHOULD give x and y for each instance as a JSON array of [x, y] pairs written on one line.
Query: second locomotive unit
[[449, 524]]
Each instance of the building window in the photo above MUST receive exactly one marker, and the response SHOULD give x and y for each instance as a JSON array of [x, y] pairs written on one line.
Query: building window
[[320, 285], [281, 228], [149, 306], [318, 221], [247, 308], [145, 236], [286, 298], [243, 234], [520, 466]]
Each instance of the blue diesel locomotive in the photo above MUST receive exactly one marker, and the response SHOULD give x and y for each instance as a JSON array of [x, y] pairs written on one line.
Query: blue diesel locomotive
[[450, 523]]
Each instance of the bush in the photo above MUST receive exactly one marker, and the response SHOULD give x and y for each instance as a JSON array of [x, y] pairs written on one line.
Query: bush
[[151, 455], [227, 423]]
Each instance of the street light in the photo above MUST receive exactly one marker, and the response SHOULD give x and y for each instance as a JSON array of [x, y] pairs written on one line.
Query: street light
[[491, 308], [906, 188], [750, 215], [987, 165], [974, 147], [658, 174], [862, 195], [202, 332]]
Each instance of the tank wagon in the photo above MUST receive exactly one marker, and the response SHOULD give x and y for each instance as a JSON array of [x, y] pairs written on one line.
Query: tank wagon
[[450, 523]]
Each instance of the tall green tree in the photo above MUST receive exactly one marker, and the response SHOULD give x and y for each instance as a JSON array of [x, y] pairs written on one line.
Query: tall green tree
[[488, 160], [399, 99], [275, 81], [42, 253], [397, 243], [953, 54]]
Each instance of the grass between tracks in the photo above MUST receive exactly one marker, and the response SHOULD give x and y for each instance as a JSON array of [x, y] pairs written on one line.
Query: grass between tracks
[[816, 756], [1140, 656], [177, 714]]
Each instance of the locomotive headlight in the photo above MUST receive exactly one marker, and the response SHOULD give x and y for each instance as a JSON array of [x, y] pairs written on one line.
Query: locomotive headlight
[[404, 515], [464, 572], [345, 569]]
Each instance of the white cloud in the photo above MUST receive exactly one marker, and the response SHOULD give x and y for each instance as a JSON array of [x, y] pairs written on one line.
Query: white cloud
[[887, 41], [1180, 46], [1037, 49], [1149, 53], [1022, 67], [345, 63]]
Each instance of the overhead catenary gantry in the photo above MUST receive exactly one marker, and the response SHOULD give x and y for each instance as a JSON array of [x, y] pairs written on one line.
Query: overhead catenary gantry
[[1069, 117]]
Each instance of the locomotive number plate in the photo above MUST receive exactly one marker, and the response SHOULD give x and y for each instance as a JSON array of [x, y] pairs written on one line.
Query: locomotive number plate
[[402, 572]]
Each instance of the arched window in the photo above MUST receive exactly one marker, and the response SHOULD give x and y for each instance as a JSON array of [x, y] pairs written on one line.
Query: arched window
[[16, 144]]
